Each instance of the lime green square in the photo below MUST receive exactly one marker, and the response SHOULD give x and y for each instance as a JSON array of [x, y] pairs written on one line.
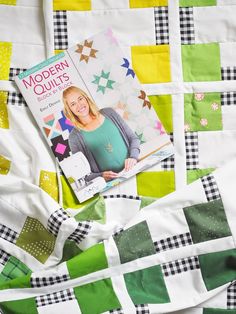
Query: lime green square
[[36, 240], [134, 242], [202, 112], [218, 268], [207, 221], [197, 3], [20, 306], [97, 297], [163, 107], [201, 62], [195, 174], [91, 260], [147, 286], [155, 184]]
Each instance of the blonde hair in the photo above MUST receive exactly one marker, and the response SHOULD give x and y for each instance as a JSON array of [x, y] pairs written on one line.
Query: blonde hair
[[93, 109]]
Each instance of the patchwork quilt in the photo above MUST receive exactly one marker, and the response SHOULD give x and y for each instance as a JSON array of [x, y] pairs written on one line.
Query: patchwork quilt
[[163, 241]]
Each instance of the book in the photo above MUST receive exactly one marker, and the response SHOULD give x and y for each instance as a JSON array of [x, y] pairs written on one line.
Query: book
[[95, 115]]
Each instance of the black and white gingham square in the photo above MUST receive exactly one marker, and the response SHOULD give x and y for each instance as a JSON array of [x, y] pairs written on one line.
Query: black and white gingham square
[[210, 188], [55, 297], [169, 163], [186, 26], [228, 73], [130, 197], [228, 98], [37, 282], [8, 234], [117, 311], [142, 309], [80, 232], [60, 30], [191, 148], [180, 265], [16, 99], [55, 221], [173, 242], [161, 25], [13, 72], [231, 296], [4, 257]]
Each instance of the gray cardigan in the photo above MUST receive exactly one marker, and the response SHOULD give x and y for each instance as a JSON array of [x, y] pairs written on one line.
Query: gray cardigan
[[77, 144]]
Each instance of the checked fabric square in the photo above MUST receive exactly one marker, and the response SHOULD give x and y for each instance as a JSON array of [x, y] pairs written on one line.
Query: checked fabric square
[[55, 221], [161, 25], [4, 257], [231, 296], [80, 232], [8, 234], [14, 268], [56, 297], [37, 282], [117, 311], [169, 163], [210, 188], [191, 147], [16, 99], [14, 72], [228, 98], [228, 73], [186, 26], [60, 30], [173, 242], [142, 309], [180, 265]]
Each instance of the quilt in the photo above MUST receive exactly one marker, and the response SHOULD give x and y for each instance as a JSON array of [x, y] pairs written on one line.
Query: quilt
[[163, 241]]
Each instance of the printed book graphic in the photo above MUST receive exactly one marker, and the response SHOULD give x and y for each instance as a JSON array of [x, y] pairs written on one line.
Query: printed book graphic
[[95, 115]]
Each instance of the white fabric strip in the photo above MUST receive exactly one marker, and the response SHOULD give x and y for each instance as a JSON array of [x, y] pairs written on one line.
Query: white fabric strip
[[49, 29]]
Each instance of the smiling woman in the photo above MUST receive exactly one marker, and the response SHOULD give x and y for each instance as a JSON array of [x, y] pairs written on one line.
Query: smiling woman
[[101, 135]]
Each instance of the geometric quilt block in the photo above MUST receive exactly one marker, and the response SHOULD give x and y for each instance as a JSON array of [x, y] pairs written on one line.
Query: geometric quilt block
[[134, 242], [60, 147], [197, 3], [146, 4], [151, 63], [201, 62], [202, 112], [20, 306], [14, 268], [207, 221], [36, 240], [147, 286], [96, 297]]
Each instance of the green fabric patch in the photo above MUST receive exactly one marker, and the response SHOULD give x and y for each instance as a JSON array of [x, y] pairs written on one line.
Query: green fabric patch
[[25, 306], [163, 107], [202, 112], [134, 242], [91, 260], [14, 268], [207, 221], [218, 268], [147, 286], [36, 240], [70, 250], [155, 184], [20, 282], [145, 201], [95, 210], [48, 183], [4, 165], [218, 311], [201, 62], [4, 122], [193, 175], [97, 297], [197, 3]]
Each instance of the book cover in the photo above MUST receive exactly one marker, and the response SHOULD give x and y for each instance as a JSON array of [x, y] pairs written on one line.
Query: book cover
[[95, 115]]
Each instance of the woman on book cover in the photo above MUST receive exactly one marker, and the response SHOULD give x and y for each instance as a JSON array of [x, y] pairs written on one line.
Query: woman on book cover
[[105, 139]]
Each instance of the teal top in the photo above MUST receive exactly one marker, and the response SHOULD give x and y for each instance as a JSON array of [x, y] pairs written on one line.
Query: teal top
[[107, 146]]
